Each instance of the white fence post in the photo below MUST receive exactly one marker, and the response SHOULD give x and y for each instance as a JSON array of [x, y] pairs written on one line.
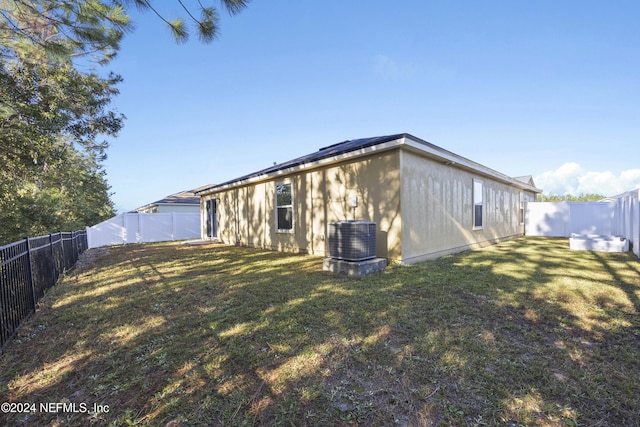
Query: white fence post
[[124, 228], [173, 225]]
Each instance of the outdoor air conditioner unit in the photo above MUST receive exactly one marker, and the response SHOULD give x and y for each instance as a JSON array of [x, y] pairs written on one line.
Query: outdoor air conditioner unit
[[352, 240]]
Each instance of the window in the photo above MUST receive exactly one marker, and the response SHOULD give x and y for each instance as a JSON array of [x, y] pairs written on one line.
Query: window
[[478, 204], [521, 207], [284, 207]]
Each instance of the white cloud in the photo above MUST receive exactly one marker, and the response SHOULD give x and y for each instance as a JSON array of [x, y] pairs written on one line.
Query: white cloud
[[631, 175], [571, 178], [389, 68], [563, 180]]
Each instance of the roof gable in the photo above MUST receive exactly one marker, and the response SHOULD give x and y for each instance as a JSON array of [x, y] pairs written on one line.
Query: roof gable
[[527, 179]]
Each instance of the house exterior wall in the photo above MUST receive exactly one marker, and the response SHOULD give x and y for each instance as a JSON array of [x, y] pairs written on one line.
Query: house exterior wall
[[247, 213], [423, 207], [438, 205]]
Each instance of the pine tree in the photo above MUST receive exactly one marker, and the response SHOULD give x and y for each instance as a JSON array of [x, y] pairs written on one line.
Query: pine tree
[[54, 117]]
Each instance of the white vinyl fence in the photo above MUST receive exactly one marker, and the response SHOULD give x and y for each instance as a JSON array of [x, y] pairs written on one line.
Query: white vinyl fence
[[139, 228], [561, 219], [627, 218], [618, 217]]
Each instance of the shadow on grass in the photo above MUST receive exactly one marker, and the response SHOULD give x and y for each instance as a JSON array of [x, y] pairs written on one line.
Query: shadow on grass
[[525, 332]]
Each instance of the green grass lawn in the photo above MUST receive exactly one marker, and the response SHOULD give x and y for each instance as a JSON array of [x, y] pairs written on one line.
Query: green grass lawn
[[521, 333]]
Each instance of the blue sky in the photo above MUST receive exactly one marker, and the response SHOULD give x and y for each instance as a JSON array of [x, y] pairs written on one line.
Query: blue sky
[[543, 88]]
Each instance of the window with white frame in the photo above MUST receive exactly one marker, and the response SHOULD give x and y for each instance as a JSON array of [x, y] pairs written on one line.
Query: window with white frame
[[284, 207], [521, 207], [478, 204]]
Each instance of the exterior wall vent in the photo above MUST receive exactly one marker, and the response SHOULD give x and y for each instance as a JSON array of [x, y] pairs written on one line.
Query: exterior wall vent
[[352, 240]]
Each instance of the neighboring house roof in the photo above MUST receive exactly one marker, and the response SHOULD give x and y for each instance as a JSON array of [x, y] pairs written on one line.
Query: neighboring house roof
[[365, 146], [187, 197], [527, 179]]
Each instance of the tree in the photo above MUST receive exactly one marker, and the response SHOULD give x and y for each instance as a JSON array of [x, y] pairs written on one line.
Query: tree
[[67, 194], [43, 31], [52, 113], [40, 103], [50, 173], [583, 197], [207, 24], [68, 29]]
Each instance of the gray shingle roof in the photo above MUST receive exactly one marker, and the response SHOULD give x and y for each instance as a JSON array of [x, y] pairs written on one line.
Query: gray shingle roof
[[355, 145]]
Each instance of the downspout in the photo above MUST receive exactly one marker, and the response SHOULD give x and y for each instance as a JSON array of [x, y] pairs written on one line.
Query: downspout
[[310, 215], [325, 202], [237, 198]]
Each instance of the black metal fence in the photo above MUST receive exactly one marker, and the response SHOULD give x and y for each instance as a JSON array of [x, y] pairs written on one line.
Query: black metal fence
[[28, 268]]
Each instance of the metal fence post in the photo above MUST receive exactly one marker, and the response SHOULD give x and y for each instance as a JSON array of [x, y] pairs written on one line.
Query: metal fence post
[[32, 292], [53, 258], [76, 249], [64, 259]]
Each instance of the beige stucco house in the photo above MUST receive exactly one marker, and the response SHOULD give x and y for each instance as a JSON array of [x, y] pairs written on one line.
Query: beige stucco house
[[426, 201]]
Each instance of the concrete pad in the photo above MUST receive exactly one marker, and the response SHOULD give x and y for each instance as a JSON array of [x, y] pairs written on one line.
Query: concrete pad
[[354, 268]]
